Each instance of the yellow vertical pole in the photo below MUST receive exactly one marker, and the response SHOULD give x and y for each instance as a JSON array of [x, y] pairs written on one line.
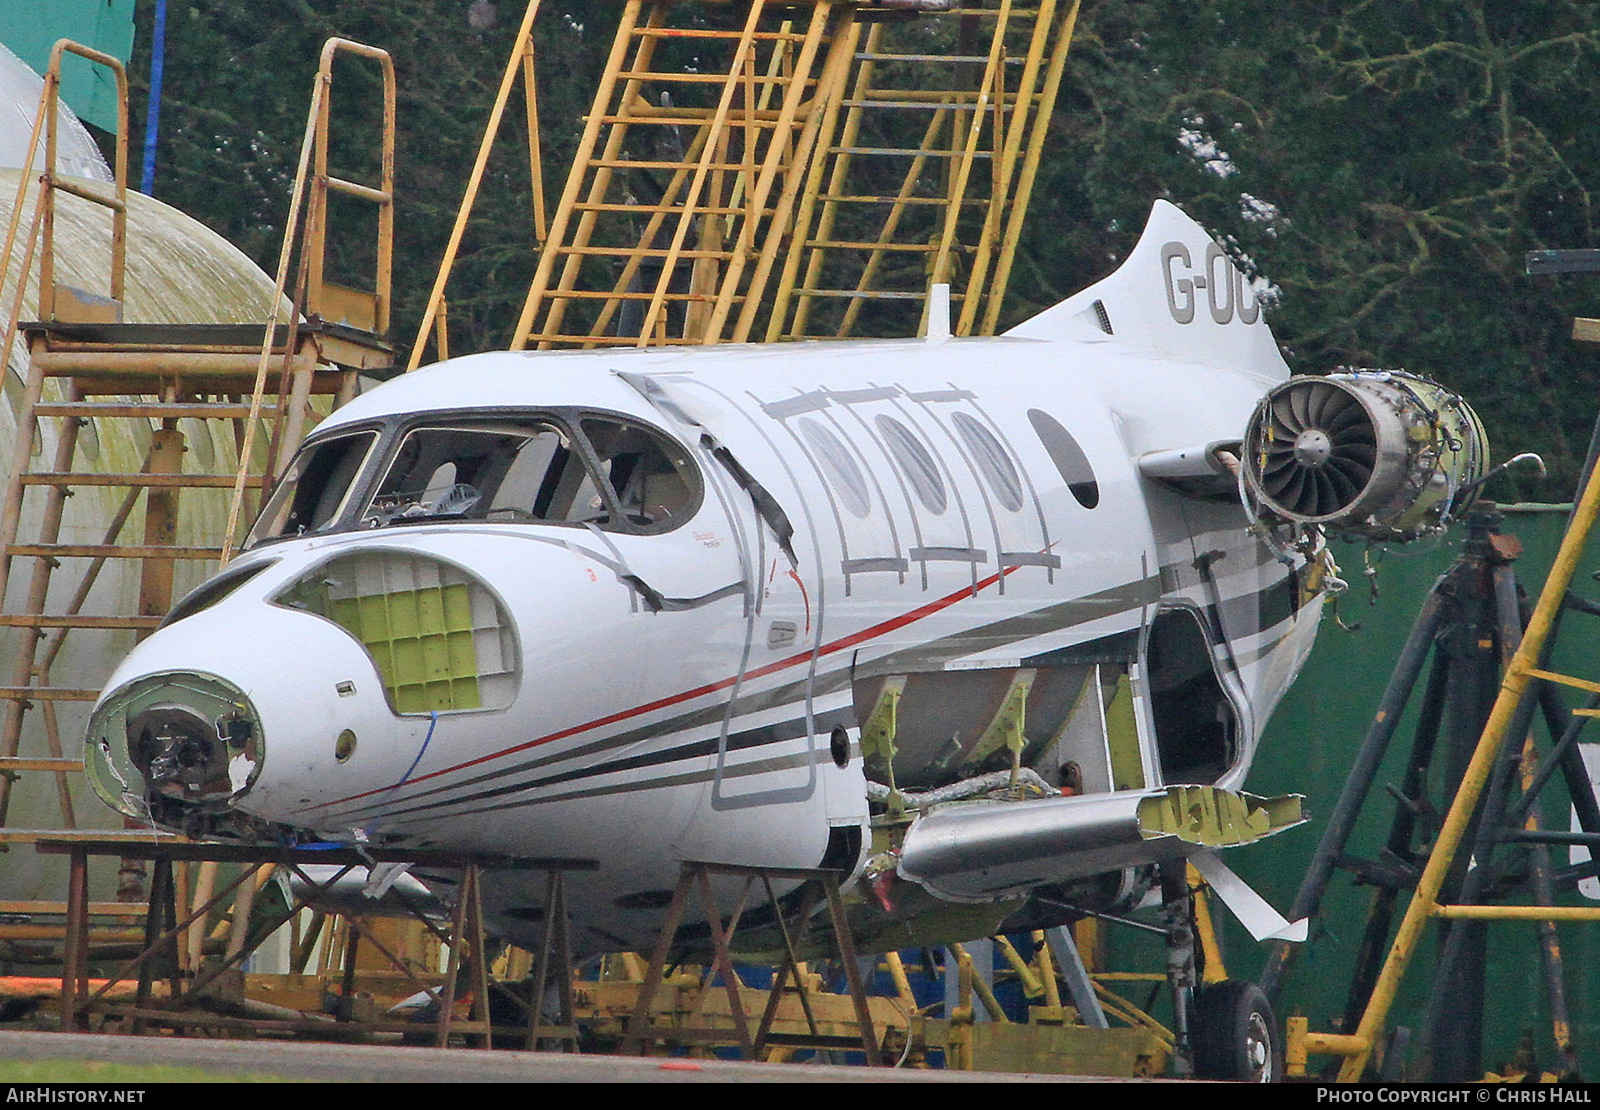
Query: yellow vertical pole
[[383, 280], [1030, 169], [1047, 972], [902, 984], [1519, 676], [312, 254], [441, 335], [530, 94], [47, 195], [972, 982], [1206, 930], [475, 179]]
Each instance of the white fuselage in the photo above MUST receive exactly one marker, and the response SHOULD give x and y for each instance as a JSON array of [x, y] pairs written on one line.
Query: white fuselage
[[673, 694]]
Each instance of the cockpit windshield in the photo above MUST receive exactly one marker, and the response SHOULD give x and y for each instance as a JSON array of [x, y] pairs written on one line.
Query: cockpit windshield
[[596, 470], [526, 471]]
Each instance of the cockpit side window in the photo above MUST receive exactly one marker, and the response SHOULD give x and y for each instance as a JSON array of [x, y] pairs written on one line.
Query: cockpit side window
[[519, 471], [649, 476], [313, 490]]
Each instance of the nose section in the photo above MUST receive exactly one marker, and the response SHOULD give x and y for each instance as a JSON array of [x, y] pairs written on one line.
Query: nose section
[[302, 688], [222, 723], [175, 747]]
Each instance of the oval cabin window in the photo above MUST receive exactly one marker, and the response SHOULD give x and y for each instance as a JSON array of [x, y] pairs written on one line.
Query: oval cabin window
[[915, 463], [990, 457], [840, 467], [1068, 457]]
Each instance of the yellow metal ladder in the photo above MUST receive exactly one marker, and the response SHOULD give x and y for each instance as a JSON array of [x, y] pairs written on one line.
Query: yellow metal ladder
[[88, 368], [760, 170], [926, 172], [686, 175]]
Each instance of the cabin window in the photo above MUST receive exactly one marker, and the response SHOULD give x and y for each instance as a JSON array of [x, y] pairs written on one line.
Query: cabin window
[[650, 477], [1068, 457], [840, 467], [216, 589], [586, 469], [312, 494], [989, 456], [915, 463]]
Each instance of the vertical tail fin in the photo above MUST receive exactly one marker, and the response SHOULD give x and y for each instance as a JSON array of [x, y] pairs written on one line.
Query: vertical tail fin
[[1177, 293]]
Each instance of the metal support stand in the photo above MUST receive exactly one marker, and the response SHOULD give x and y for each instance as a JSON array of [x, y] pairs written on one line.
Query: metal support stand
[[641, 1032], [163, 928], [1472, 621], [557, 945], [1177, 912]]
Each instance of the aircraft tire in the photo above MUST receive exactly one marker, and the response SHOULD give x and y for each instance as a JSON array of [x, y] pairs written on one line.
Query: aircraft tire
[[1235, 1034]]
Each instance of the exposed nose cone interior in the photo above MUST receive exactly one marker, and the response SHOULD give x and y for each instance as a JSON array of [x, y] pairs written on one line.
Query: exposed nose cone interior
[[175, 748]]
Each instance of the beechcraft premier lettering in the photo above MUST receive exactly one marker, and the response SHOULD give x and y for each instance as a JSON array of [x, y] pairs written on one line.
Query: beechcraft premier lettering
[[990, 625]]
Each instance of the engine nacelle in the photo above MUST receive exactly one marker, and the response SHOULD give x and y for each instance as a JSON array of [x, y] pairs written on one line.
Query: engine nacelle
[[1381, 454]]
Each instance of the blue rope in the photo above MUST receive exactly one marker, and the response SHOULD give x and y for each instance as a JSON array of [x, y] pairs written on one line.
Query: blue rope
[[433, 719], [330, 845], [152, 116]]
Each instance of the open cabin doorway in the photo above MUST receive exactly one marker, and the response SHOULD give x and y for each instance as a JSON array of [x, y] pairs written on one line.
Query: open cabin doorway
[[1197, 724]]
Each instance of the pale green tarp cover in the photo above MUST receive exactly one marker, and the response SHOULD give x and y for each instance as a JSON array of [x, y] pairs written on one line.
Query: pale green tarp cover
[[31, 27]]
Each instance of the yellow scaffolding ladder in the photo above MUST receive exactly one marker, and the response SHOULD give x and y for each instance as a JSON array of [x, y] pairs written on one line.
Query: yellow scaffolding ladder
[[87, 365], [745, 164], [927, 171], [687, 172]]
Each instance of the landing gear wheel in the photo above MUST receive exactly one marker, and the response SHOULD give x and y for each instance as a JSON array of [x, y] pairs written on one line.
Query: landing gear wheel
[[1235, 1035]]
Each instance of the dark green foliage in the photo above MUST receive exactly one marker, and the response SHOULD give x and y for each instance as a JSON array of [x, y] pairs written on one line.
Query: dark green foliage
[[1413, 154], [1402, 158]]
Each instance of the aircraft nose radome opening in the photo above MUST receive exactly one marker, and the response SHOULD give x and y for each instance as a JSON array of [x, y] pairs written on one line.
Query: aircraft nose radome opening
[[438, 637], [176, 749], [1381, 454]]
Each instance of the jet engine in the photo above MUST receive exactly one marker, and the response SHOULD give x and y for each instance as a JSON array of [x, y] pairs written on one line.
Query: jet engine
[[1380, 454]]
